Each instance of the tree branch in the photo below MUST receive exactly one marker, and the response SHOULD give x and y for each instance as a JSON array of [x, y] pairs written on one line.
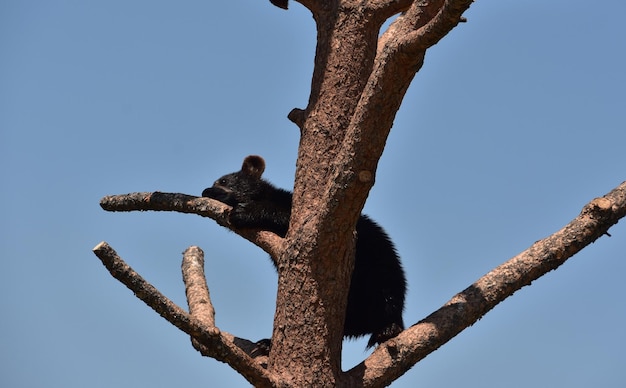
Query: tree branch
[[344, 129], [183, 203], [397, 60], [217, 345], [423, 25], [447, 17], [197, 291], [392, 359], [359, 81], [201, 307]]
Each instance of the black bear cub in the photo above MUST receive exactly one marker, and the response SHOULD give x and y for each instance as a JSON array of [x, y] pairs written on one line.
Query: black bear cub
[[378, 286]]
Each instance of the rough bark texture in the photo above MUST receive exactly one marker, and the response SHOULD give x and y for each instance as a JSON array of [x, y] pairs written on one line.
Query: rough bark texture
[[396, 356], [357, 87], [358, 84], [210, 341]]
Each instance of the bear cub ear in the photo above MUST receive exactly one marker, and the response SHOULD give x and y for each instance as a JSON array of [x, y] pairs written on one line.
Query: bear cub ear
[[253, 166]]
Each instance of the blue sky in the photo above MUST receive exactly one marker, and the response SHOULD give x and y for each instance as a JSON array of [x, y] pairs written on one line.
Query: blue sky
[[514, 123]]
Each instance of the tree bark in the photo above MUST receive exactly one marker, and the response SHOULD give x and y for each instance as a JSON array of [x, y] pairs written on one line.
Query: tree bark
[[358, 84], [391, 359], [357, 87]]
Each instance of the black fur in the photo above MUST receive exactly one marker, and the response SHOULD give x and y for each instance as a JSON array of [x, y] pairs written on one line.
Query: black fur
[[378, 286]]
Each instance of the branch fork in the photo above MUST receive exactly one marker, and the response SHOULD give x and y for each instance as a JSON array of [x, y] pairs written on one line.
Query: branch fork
[[390, 359], [343, 134]]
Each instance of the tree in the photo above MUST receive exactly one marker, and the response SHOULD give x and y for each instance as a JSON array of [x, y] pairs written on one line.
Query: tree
[[358, 84]]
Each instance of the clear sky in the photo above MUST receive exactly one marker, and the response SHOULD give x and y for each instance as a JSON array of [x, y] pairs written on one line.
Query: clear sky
[[515, 122]]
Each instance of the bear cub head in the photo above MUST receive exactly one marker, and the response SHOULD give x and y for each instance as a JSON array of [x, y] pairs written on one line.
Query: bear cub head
[[241, 186]]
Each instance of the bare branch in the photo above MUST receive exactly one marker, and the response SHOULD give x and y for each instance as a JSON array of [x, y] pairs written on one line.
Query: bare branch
[[358, 84], [183, 203], [200, 305], [448, 16], [423, 25], [397, 60], [399, 55], [197, 291], [159, 201], [218, 345], [346, 123], [146, 291], [394, 358]]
